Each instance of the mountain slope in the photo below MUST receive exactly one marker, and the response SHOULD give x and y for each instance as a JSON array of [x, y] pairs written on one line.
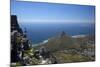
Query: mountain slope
[[61, 42]]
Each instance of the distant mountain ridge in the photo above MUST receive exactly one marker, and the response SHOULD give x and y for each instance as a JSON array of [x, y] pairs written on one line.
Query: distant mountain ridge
[[61, 42]]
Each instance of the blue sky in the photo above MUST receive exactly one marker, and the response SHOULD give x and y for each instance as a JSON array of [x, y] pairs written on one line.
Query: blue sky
[[34, 12]]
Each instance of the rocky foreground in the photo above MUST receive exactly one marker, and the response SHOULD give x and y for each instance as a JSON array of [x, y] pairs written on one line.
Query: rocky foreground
[[22, 52]]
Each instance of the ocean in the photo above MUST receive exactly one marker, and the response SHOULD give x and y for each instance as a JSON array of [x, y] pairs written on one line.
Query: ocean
[[38, 32]]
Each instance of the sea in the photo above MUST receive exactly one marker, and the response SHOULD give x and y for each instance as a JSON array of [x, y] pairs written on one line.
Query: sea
[[38, 32]]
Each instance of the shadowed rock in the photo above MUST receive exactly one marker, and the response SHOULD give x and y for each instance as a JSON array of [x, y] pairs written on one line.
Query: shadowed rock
[[14, 24]]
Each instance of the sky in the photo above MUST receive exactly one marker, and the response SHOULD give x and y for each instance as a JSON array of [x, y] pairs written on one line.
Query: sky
[[36, 12]]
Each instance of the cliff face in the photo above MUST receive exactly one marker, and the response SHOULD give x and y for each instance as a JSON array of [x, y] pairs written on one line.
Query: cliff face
[[14, 24], [19, 41]]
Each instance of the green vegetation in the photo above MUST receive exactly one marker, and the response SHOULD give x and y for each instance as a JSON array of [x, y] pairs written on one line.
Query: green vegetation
[[67, 49], [69, 58], [61, 43]]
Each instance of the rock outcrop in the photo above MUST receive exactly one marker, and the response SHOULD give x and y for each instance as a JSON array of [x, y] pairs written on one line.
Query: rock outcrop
[[19, 41], [14, 24]]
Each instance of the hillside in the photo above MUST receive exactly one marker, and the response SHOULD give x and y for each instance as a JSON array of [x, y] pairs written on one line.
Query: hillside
[[61, 42], [67, 49]]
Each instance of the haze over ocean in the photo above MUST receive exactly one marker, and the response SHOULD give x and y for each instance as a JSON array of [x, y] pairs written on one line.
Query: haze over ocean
[[40, 32]]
